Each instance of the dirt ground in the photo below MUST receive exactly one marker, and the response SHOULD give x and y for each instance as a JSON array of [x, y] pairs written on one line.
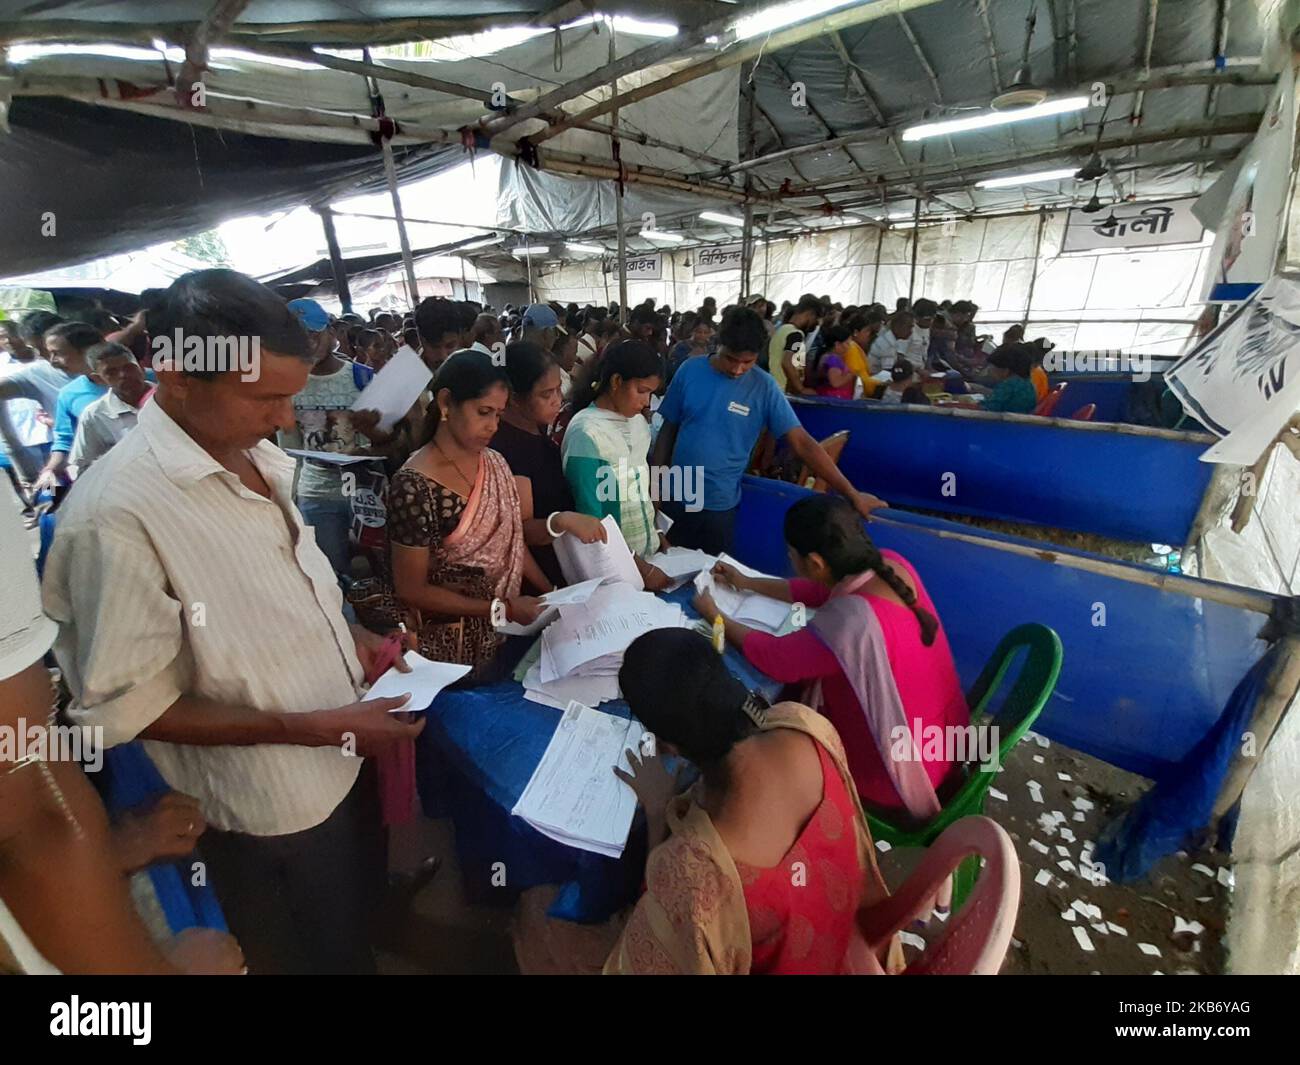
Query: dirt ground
[[439, 933], [1143, 913]]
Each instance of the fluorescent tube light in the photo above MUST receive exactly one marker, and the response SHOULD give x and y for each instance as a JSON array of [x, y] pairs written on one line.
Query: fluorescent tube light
[[535, 249], [989, 119], [1011, 180], [657, 234], [722, 219], [592, 248], [786, 15]]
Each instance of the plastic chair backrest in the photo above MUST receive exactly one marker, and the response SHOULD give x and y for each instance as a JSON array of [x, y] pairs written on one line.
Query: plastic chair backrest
[[833, 445], [974, 939], [1047, 405], [1033, 686], [1084, 413]]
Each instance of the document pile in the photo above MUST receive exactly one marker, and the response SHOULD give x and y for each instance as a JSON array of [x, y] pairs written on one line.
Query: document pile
[[582, 650], [573, 795], [755, 610]]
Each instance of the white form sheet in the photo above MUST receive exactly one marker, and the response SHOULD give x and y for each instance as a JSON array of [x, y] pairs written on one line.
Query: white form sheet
[[604, 625], [681, 562], [574, 593], [573, 795], [395, 388], [332, 458]]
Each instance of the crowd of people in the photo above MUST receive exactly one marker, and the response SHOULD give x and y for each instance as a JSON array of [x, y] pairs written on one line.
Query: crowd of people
[[205, 592]]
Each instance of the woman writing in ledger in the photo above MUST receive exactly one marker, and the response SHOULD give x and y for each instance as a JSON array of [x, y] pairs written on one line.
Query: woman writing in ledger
[[455, 533], [874, 659]]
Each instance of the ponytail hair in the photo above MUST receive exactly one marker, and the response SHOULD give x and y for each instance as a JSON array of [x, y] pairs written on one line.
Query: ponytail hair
[[630, 359], [828, 526], [678, 687]]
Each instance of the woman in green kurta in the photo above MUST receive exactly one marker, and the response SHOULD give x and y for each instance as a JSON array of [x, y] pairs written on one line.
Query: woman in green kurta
[[607, 444]]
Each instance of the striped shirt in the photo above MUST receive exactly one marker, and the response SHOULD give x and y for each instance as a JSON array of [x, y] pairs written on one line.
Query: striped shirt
[[167, 576]]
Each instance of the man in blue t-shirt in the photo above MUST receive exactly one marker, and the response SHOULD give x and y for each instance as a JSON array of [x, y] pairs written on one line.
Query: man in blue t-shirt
[[712, 417]]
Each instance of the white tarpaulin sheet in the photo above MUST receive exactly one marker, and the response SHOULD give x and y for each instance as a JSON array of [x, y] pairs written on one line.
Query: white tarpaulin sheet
[[1243, 381]]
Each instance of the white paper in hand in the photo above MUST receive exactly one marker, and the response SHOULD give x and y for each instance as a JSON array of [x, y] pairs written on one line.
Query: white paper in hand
[[611, 560], [395, 388], [574, 593], [426, 679]]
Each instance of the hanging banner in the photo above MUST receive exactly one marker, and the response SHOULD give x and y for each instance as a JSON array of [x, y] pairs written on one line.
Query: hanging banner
[[1243, 380], [1133, 226], [717, 260], [645, 267], [1253, 197]]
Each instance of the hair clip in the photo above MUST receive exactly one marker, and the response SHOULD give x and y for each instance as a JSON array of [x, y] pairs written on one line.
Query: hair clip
[[755, 707]]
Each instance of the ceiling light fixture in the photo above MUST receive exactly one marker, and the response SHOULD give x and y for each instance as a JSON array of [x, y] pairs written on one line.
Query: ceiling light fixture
[[535, 249], [592, 248], [722, 219], [657, 234], [990, 119], [1011, 180]]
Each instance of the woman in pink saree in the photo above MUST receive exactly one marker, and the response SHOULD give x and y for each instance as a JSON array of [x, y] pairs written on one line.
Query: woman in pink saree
[[874, 659], [455, 532]]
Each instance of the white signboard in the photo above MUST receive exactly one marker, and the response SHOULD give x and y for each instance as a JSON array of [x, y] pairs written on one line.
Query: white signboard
[[717, 260], [1243, 380], [645, 267], [1133, 226]]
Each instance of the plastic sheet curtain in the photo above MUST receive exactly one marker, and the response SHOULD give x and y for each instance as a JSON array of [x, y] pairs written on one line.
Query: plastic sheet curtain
[[1139, 300]]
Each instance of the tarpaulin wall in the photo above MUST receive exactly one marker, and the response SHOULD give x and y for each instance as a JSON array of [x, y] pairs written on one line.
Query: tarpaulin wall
[[1146, 671], [1110, 300], [1144, 486]]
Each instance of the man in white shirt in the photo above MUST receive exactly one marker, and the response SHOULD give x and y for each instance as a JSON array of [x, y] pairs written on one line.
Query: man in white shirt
[[892, 343], [196, 611], [64, 903], [107, 419]]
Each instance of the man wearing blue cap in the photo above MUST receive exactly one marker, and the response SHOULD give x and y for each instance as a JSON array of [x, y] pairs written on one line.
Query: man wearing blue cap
[[325, 421]]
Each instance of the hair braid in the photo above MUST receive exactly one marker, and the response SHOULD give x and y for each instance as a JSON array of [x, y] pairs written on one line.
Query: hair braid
[[928, 622]]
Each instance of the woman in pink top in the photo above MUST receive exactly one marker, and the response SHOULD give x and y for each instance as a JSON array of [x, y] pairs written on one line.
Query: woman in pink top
[[874, 659]]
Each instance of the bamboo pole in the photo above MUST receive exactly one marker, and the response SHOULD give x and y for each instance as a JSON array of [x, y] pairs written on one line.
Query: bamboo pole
[[619, 184], [1038, 247], [1279, 692], [916, 239], [390, 176], [336, 256]]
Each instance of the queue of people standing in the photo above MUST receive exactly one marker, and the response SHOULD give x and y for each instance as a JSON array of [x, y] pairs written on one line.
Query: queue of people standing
[[176, 502]]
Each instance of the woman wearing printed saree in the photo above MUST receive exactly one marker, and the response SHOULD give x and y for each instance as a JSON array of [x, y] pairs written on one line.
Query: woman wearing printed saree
[[762, 866], [454, 529], [875, 659], [607, 446]]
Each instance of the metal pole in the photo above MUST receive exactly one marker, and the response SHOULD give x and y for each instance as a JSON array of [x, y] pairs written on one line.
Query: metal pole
[[336, 257], [528, 265], [618, 186], [390, 175], [916, 234], [746, 244], [1033, 275]]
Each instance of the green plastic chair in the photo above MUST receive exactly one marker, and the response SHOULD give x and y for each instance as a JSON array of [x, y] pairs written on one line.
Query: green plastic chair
[[1033, 687]]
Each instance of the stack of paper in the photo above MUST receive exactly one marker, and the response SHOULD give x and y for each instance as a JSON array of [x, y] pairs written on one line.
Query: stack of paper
[[573, 795], [591, 637], [611, 560], [755, 610]]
